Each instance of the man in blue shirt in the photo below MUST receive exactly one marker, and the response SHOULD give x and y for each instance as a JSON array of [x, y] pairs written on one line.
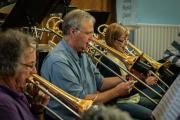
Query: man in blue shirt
[[69, 68]]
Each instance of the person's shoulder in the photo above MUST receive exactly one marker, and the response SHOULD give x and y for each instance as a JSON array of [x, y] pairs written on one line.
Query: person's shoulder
[[6, 99], [56, 55]]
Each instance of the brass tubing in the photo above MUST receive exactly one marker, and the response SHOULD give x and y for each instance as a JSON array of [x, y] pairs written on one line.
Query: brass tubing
[[128, 72], [141, 92], [80, 105]]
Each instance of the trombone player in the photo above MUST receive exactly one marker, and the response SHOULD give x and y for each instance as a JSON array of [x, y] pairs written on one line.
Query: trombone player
[[18, 58], [116, 36], [172, 54], [68, 67]]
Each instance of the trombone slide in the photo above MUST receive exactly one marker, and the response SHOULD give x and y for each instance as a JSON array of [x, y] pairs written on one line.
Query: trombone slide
[[80, 105]]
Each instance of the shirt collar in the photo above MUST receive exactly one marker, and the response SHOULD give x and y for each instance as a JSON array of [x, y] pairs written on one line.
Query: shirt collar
[[70, 50]]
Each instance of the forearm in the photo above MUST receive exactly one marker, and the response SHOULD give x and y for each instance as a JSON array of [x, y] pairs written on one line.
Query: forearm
[[110, 82], [103, 97]]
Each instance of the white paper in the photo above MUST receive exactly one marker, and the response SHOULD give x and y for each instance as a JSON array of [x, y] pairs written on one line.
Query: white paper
[[169, 106]]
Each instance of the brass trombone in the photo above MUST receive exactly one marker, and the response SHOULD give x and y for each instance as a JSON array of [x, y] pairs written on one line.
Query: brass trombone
[[53, 24], [102, 30], [157, 68], [118, 54], [77, 105], [50, 22]]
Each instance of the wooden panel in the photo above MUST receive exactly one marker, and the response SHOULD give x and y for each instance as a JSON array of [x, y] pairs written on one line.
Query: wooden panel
[[99, 5]]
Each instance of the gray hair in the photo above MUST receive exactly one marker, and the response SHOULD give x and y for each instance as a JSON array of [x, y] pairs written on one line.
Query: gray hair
[[75, 18], [101, 112], [13, 43]]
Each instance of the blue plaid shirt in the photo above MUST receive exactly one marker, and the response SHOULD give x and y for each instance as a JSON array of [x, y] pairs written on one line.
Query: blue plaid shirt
[[76, 74]]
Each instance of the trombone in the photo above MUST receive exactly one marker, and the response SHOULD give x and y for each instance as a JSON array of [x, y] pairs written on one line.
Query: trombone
[[117, 53], [77, 105], [157, 68], [54, 28]]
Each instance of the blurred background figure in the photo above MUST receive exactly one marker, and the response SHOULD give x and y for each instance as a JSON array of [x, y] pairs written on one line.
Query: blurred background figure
[[172, 54], [101, 112]]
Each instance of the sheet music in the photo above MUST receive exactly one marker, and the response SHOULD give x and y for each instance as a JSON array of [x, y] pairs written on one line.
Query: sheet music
[[169, 106]]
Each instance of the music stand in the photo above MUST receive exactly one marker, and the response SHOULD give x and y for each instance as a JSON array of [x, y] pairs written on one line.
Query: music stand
[[28, 13]]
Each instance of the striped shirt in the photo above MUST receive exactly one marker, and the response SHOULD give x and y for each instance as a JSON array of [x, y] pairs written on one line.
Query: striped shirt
[[173, 53]]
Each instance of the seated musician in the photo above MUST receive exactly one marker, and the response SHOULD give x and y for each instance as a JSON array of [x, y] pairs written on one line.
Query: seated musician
[[18, 58], [68, 67], [116, 36], [172, 54]]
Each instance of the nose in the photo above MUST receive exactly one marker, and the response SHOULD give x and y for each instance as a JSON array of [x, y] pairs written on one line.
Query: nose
[[126, 40], [91, 37], [34, 70]]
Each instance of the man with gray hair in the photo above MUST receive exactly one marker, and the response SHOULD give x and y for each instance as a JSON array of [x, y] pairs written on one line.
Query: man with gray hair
[[68, 67]]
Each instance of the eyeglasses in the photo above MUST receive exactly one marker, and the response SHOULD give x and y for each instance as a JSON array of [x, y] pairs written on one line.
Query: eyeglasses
[[122, 39], [33, 65]]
